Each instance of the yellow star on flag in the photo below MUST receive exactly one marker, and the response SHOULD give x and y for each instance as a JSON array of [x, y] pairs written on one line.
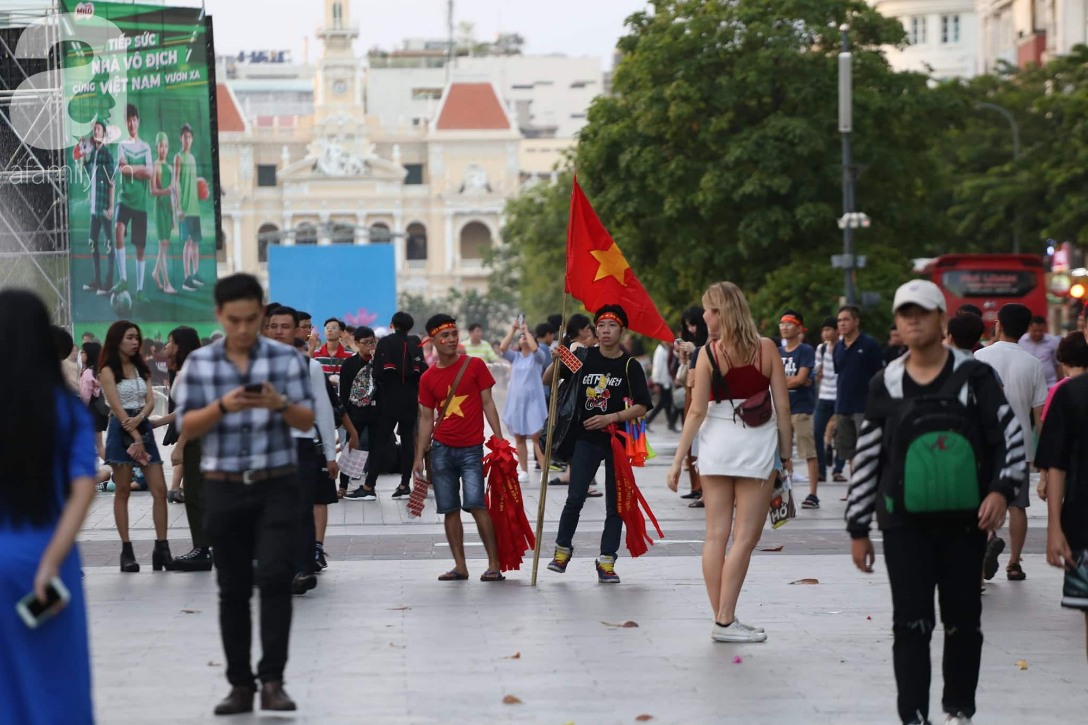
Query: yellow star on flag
[[612, 264], [455, 405]]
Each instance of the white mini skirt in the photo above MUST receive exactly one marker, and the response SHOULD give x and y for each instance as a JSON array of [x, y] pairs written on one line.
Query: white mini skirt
[[728, 447]]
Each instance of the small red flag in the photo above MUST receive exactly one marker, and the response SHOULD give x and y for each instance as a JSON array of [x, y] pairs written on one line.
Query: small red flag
[[598, 274]]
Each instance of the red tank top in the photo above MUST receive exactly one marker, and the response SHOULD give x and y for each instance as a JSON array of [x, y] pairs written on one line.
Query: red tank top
[[743, 382]]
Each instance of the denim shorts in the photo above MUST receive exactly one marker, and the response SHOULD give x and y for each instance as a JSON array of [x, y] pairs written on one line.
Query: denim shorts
[[117, 451], [453, 468]]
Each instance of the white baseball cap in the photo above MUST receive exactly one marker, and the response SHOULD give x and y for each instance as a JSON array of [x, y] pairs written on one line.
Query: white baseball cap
[[920, 292]]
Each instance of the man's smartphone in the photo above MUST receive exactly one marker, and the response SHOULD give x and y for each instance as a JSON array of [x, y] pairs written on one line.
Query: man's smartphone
[[255, 388], [34, 613], [521, 319]]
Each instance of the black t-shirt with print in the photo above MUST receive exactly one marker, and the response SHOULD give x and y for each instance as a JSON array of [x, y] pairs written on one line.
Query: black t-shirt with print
[[604, 385]]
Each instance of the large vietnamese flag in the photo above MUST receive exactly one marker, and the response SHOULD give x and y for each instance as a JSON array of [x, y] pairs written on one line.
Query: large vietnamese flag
[[598, 274]]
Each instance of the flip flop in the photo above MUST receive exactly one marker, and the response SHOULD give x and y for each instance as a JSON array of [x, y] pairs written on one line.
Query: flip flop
[[452, 576], [492, 576]]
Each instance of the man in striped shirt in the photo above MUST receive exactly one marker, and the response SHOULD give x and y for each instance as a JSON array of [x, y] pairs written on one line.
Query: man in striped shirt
[[477, 346], [936, 491], [332, 354]]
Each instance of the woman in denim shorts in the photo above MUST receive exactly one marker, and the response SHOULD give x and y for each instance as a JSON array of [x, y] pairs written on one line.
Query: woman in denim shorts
[[125, 380]]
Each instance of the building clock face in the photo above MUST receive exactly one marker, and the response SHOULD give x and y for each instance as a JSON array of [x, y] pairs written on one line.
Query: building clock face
[[339, 87]]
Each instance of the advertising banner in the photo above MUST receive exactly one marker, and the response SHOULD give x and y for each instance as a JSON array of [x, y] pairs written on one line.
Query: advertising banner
[[355, 284], [142, 186]]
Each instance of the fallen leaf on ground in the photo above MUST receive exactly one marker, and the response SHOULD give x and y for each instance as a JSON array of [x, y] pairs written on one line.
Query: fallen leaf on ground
[[774, 548], [515, 656], [190, 611], [806, 581], [213, 664], [511, 700], [1022, 664], [644, 718], [624, 625], [394, 645], [400, 609], [737, 660]]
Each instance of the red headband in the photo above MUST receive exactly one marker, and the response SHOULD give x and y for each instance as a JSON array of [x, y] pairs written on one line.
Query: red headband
[[611, 316], [794, 320], [442, 328]]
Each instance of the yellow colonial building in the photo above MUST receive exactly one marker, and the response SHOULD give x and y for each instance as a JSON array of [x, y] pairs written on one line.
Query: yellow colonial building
[[432, 186]]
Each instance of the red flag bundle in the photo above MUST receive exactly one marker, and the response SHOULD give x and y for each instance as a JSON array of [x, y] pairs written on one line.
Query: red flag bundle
[[629, 498], [505, 504]]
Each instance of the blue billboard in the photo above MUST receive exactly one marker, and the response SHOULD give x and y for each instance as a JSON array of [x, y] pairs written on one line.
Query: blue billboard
[[356, 284]]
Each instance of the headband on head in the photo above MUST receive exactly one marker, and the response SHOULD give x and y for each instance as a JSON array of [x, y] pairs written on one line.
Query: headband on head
[[611, 316], [434, 332], [794, 320]]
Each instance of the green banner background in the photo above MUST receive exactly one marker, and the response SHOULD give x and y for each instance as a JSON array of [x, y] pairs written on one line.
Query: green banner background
[[170, 85]]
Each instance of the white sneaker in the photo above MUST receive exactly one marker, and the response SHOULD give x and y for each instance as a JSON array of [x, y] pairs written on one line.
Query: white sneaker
[[957, 719], [523, 477], [735, 633], [749, 627]]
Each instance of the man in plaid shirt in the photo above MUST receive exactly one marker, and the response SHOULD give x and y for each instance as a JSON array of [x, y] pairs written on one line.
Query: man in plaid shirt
[[243, 395], [98, 162]]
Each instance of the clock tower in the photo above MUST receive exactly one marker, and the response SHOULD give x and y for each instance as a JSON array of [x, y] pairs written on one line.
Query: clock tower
[[337, 84]]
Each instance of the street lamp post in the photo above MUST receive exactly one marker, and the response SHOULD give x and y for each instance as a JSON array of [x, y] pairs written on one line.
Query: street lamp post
[[846, 123], [1015, 156]]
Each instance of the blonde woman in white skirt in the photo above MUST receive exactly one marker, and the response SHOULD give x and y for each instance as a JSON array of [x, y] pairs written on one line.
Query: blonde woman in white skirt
[[737, 459]]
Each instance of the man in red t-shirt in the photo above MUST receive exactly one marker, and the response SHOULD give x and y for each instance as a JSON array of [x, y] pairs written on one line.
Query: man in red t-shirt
[[457, 449]]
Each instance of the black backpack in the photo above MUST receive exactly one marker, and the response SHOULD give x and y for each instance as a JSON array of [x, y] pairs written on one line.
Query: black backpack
[[934, 450]]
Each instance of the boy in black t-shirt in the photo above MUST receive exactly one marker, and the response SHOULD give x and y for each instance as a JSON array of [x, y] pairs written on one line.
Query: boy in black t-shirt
[[612, 390], [1063, 453]]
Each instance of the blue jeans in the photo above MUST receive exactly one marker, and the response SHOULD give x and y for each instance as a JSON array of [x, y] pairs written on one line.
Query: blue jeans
[[452, 469], [584, 463], [825, 409]]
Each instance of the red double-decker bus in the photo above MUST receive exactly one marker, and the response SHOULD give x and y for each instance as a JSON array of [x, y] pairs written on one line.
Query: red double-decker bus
[[989, 281]]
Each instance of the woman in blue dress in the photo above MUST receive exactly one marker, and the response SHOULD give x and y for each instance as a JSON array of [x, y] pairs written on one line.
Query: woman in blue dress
[[526, 409], [46, 485]]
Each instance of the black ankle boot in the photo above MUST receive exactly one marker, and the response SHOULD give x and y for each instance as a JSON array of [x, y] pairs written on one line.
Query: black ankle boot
[[195, 560], [160, 557], [128, 559]]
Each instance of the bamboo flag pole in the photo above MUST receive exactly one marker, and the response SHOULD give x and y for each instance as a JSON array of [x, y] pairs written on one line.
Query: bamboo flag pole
[[545, 468]]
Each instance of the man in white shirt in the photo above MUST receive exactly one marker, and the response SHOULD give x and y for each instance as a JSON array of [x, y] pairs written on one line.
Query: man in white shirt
[[661, 377], [1025, 387], [283, 328], [1045, 349]]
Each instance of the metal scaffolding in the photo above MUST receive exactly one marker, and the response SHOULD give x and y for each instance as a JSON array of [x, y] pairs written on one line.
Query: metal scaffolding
[[34, 239]]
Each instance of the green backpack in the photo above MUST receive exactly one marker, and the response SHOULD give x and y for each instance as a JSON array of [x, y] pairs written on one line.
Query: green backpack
[[934, 446]]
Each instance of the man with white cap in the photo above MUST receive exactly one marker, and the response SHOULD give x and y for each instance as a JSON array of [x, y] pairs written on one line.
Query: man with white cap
[[940, 456]]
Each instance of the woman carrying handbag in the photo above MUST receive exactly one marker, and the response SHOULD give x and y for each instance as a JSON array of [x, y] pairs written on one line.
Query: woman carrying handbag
[[741, 413]]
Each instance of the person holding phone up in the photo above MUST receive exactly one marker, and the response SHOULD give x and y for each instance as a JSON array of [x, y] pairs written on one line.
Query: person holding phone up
[[46, 485]]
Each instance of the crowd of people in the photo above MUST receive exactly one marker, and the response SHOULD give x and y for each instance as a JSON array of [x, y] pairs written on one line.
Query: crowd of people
[[937, 430]]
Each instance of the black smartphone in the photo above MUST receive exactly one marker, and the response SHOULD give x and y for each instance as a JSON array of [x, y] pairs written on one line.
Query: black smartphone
[[33, 612], [254, 388]]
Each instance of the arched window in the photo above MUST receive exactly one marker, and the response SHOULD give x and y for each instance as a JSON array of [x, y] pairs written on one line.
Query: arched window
[[337, 16], [380, 234], [475, 240], [267, 234], [306, 233], [416, 246], [343, 233]]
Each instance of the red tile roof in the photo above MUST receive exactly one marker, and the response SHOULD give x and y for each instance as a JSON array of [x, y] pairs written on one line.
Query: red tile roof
[[472, 106], [230, 118]]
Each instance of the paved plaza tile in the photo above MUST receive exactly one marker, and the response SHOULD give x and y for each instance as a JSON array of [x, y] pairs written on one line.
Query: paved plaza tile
[[381, 641]]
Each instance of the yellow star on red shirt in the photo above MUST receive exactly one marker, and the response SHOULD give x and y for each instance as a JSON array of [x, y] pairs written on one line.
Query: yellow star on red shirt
[[455, 404], [612, 264]]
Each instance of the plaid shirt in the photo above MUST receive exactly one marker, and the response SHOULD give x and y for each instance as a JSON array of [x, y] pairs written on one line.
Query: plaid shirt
[[249, 440], [99, 164]]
